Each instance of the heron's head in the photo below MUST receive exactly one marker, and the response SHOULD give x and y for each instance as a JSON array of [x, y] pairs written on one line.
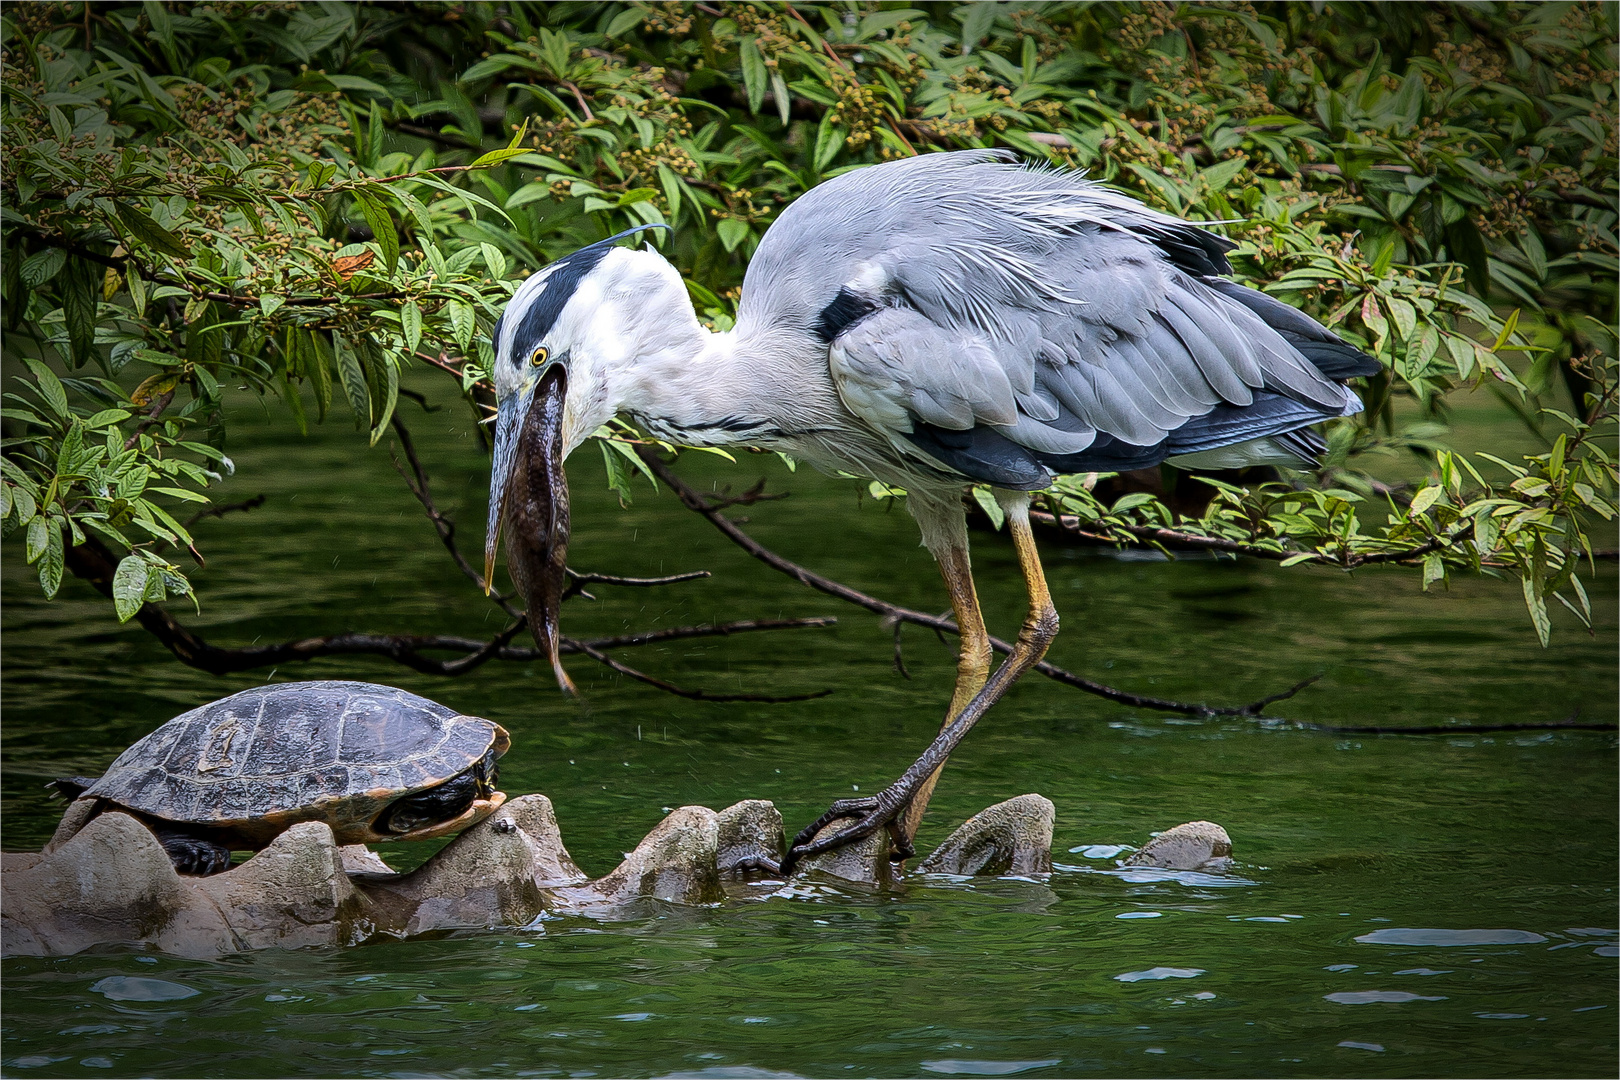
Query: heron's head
[[568, 334]]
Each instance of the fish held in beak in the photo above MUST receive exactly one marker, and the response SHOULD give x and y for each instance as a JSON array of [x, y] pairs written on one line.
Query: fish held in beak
[[529, 502]]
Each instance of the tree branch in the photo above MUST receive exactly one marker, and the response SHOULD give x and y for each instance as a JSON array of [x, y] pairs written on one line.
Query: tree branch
[[1070, 523], [92, 562], [406, 650], [695, 501]]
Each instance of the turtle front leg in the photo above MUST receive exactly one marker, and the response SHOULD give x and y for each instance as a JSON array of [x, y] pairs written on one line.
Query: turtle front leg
[[190, 853]]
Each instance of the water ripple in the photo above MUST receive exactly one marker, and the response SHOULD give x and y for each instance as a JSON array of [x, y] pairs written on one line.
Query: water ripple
[[1396, 935]]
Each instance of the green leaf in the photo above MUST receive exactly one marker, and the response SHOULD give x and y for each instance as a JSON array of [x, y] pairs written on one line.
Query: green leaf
[[1405, 316], [41, 266], [26, 507], [732, 233], [494, 260], [618, 474], [354, 381], [1508, 327], [1132, 501], [625, 21], [81, 297], [150, 232], [779, 90], [495, 157], [107, 416], [137, 288], [976, 20], [1294, 560], [295, 402], [50, 565], [390, 397], [1537, 605], [462, 322], [754, 73], [38, 537], [1434, 569], [987, 503], [129, 587], [382, 228], [410, 320], [829, 140], [1425, 499], [50, 387]]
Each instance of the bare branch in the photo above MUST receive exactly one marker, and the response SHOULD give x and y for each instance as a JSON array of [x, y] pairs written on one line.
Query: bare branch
[[695, 501], [229, 508], [694, 695]]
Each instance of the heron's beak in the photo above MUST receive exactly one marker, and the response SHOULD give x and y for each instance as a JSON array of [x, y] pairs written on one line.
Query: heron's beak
[[529, 496]]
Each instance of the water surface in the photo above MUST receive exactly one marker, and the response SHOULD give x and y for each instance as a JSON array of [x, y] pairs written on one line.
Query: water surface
[[1403, 905]]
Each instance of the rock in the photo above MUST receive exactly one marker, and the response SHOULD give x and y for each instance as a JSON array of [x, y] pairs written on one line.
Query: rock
[[749, 836], [1012, 837], [1195, 845], [74, 817], [534, 815], [292, 894], [865, 861], [675, 862], [359, 859], [110, 882]]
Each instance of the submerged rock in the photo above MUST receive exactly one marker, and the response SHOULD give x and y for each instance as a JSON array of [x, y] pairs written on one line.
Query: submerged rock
[[865, 861], [111, 881], [1193, 845], [293, 893], [1012, 837], [676, 862], [749, 837]]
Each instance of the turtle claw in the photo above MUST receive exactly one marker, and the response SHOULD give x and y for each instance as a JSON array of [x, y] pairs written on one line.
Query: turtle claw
[[192, 854]]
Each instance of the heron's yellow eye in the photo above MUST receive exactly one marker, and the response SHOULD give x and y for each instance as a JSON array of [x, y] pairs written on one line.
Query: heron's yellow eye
[[539, 356]]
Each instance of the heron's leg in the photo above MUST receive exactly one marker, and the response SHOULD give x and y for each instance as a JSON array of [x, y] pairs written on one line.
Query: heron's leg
[[972, 670], [1040, 627]]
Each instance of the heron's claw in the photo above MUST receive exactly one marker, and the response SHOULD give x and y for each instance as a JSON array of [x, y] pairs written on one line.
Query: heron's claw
[[872, 812]]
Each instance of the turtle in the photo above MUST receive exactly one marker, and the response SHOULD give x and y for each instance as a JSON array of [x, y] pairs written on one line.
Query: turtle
[[373, 762]]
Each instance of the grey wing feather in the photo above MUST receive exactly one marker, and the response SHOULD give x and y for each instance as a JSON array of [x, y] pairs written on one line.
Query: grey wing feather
[[1033, 301]]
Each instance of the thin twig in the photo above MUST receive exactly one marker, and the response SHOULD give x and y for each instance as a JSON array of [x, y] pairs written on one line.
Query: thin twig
[[152, 416], [694, 695], [755, 494], [579, 97], [229, 508]]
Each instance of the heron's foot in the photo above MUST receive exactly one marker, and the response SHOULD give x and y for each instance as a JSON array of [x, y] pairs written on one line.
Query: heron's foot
[[870, 813]]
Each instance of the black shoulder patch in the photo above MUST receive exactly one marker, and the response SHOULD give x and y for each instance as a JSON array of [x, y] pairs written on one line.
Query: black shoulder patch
[[846, 309], [982, 454]]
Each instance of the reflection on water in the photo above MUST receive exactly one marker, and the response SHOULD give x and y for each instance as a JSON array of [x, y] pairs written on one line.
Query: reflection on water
[[1402, 906]]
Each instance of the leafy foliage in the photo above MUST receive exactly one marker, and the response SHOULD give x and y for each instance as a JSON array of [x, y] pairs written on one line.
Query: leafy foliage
[[304, 199]]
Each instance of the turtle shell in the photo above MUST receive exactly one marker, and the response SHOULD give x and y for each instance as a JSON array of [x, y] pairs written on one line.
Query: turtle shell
[[248, 766]]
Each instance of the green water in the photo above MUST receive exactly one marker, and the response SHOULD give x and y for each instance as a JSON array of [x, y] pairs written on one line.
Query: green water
[[1512, 836]]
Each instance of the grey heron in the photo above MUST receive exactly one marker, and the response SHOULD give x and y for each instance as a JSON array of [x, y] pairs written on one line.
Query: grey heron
[[934, 322]]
